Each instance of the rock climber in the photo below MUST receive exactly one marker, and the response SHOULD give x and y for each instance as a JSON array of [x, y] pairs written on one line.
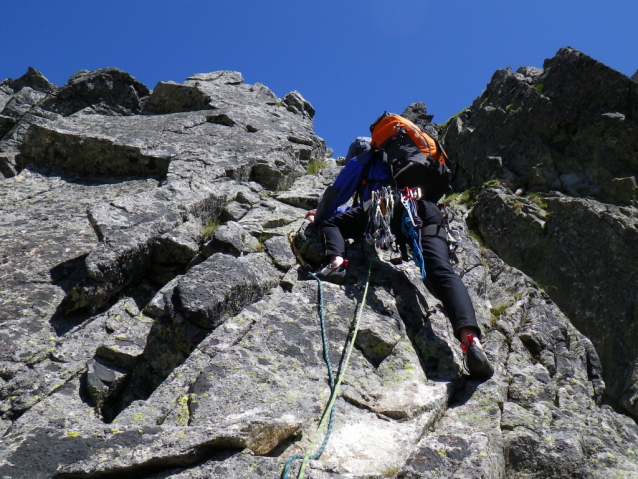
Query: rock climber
[[447, 285]]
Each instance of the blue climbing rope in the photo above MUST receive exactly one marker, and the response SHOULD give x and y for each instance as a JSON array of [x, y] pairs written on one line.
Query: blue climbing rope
[[330, 408], [326, 357], [409, 230]]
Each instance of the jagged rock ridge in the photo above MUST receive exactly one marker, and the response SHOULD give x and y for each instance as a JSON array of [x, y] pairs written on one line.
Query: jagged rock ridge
[[156, 323]]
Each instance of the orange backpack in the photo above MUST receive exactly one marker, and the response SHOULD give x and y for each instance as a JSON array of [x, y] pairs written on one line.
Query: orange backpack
[[408, 149]]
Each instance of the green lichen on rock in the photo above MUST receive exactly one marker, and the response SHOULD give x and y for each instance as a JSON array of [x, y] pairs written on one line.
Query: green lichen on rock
[[182, 405]]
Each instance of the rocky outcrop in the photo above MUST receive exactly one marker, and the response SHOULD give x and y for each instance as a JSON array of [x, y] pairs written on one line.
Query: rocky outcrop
[[594, 285], [417, 113], [565, 139], [33, 100], [570, 127], [156, 322]]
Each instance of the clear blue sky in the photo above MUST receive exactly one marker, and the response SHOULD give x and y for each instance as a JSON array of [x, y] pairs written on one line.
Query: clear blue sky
[[352, 59]]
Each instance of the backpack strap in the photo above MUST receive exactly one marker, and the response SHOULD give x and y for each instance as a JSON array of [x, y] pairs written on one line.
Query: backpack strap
[[358, 195], [441, 151], [366, 180]]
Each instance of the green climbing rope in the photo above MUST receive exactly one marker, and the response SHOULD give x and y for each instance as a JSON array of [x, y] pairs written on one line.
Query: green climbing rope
[[328, 413]]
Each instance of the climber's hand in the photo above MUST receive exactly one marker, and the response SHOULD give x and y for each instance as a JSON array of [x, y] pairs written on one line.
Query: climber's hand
[[310, 216]]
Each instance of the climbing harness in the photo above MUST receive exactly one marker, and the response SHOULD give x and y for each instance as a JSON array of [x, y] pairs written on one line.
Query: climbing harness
[[328, 413]]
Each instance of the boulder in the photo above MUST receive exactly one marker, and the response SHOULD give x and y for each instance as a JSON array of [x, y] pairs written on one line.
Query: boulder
[[297, 104], [199, 91], [232, 238], [279, 249], [107, 91]]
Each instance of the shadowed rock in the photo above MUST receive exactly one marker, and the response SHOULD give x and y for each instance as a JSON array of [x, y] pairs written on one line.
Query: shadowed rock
[[89, 155], [567, 136], [107, 91], [592, 284]]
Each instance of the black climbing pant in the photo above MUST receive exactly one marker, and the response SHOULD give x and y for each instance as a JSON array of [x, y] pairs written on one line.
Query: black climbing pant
[[349, 224], [447, 285]]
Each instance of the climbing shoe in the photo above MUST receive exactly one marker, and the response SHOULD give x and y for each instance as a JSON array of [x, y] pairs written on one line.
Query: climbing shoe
[[332, 275], [476, 360]]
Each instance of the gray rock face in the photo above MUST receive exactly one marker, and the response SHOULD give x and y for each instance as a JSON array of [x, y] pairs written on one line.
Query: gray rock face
[[306, 191], [570, 130], [32, 100], [155, 322], [237, 140], [593, 283], [570, 127]]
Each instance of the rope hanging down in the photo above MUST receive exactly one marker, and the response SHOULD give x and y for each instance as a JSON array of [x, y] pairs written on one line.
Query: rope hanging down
[[409, 224], [326, 357], [328, 413]]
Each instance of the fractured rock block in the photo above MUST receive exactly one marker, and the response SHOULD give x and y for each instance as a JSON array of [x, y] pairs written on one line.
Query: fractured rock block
[[231, 238], [88, 154], [222, 285], [279, 249], [621, 191], [100, 380], [106, 90], [376, 339], [8, 165], [234, 211]]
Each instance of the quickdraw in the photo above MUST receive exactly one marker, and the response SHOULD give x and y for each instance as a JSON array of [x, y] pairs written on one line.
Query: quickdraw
[[379, 216], [453, 236]]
